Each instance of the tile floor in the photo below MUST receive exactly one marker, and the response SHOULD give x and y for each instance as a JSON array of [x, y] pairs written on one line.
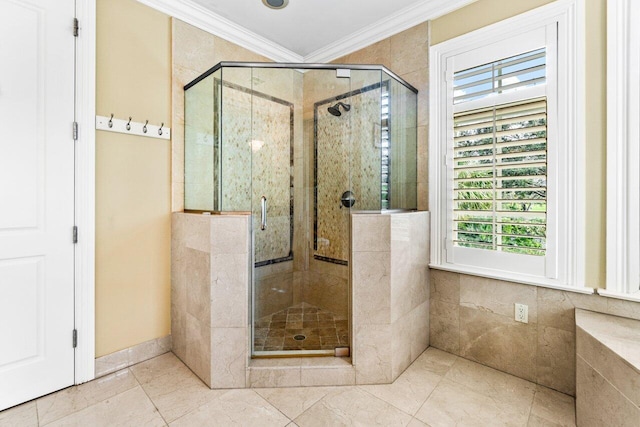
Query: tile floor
[[321, 329], [438, 389]]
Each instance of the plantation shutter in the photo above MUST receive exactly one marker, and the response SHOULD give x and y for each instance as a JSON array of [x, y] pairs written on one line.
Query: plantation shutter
[[509, 74], [500, 178]]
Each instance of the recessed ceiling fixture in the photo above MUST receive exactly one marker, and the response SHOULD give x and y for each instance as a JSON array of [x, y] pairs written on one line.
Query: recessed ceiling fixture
[[276, 4]]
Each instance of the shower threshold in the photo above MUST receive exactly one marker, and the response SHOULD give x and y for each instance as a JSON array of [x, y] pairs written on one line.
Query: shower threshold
[[300, 330]]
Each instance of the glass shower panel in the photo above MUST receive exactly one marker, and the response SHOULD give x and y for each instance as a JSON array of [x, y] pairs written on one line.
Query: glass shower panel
[[201, 138], [272, 146], [401, 132], [367, 89], [234, 157]]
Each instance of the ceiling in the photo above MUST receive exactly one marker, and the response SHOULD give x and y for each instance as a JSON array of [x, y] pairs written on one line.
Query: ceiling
[[307, 27]]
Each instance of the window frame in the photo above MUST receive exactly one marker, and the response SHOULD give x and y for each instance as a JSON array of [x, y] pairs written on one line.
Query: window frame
[[623, 151], [565, 250]]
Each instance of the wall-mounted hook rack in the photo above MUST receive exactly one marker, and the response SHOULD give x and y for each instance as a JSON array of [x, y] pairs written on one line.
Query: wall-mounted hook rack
[[111, 124]]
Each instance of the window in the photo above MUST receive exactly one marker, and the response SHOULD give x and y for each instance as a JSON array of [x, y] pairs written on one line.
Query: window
[[506, 150], [623, 149], [500, 178]]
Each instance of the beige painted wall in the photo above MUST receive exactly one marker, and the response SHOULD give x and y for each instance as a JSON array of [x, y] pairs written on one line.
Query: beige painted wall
[[478, 15], [133, 177], [486, 12]]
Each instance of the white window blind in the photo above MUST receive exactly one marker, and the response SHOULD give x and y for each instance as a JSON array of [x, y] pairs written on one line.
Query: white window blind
[[500, 182], [524, 70]]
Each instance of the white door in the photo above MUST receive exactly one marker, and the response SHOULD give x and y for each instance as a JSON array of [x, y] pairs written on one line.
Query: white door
[[36, 198]]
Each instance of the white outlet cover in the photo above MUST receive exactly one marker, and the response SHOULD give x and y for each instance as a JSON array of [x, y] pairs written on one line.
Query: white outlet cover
[[522, 313]]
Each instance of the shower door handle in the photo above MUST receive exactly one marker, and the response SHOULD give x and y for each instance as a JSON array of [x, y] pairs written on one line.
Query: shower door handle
[[263, 213]]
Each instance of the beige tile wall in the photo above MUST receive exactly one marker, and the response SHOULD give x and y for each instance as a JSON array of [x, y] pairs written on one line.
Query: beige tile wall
[[347, 159], [473, 317], [390, 284], [210, 296], [608, 370], [210, 303], [131, 356]]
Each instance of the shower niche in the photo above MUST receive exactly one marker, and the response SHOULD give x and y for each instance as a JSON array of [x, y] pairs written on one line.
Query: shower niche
[[298, 149]]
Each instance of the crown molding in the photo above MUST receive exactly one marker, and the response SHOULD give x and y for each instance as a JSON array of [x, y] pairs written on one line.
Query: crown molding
[[206, 20], [387, 27]]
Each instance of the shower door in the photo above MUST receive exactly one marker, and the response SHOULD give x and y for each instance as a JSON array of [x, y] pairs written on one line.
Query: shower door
[[300, 303], [315, 149], [275, 94]]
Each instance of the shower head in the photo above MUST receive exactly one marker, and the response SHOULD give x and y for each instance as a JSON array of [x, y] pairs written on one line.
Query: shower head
[[335, 109]]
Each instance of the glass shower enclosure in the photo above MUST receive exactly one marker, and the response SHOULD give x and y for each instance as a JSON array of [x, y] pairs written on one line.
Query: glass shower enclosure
[[300, 147]]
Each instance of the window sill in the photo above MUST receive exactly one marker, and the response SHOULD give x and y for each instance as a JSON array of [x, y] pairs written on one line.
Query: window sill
[[635, 297], [512, 277]]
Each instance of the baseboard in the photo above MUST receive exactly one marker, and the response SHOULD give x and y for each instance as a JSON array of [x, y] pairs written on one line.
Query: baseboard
[[132, 355]]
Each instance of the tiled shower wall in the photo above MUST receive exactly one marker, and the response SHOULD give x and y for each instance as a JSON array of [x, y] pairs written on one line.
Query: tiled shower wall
[[347, 159], [473, 317]]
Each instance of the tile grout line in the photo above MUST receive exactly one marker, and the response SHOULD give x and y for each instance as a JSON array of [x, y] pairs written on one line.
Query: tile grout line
[[270, 404], [533, 400], [35, 403], [149, 397], [623, 394], [535, 390], [309, 408], [434, 389], [77, 387], [531, 407], [427, 398], [388, 403]]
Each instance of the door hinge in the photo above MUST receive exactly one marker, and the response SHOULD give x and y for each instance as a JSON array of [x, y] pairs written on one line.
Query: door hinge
[[75, 131], [75, 234], [76, 27], [75, 338]]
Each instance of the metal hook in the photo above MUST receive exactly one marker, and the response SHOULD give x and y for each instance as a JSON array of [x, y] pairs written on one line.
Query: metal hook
[[144, 128], [129, 124], [160, 130], [111, 121]]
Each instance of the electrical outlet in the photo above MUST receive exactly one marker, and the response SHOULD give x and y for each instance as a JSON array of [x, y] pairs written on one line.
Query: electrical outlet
[[522, 313]]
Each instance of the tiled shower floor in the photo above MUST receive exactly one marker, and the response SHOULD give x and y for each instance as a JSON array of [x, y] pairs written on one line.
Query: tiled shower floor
[[321, 329]]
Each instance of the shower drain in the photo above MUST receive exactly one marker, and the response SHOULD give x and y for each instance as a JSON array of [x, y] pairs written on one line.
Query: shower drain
[[299, 337]]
